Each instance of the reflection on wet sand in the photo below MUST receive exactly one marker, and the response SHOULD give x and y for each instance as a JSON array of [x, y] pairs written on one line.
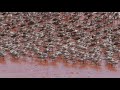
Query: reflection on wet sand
[[34, 67], [2, 61], [48, 62], [111, 67]]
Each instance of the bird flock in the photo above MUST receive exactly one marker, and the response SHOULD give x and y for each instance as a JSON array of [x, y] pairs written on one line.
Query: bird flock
[[75, 36]]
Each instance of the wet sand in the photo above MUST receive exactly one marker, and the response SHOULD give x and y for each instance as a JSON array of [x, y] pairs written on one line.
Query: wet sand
[[12, 68]]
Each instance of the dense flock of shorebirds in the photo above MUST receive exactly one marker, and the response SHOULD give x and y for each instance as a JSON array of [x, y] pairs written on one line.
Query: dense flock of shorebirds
[[75, 36]]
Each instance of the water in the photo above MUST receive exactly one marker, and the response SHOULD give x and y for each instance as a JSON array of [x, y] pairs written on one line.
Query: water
[[11, 69]]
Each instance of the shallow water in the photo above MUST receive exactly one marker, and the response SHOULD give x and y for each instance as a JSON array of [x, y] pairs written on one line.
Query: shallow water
[[28, 69]]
